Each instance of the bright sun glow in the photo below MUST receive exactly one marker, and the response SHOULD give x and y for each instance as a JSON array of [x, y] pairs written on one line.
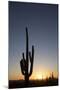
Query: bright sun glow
[[38, 76]]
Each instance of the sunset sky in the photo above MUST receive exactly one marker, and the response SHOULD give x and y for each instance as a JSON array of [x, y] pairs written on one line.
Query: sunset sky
[[42, 23]]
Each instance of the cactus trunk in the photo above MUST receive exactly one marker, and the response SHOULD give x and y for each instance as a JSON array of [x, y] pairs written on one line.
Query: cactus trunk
[[26, 76]]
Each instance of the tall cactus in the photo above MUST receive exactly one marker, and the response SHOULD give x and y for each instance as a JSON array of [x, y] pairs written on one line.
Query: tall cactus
[[24, 63]]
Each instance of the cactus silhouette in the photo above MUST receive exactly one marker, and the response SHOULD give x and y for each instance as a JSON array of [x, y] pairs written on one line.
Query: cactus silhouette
[[24, 63]]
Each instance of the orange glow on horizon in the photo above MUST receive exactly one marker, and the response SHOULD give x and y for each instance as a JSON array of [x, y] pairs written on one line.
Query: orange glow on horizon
[[38, 74], [34, 76]]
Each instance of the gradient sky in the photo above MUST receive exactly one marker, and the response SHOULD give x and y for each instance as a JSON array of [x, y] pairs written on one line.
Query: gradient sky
[[42, 23]]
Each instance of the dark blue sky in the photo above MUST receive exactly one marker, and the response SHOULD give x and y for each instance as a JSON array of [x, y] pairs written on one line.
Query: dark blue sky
[[42, 23]]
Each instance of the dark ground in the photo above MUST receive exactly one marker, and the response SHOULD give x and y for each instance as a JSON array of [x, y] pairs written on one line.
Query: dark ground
[[32, 83]]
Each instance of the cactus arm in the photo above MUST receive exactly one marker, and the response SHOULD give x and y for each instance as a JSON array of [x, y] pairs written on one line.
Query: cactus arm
[[22, 68], [30, 57], [22, 64], [31, 60]]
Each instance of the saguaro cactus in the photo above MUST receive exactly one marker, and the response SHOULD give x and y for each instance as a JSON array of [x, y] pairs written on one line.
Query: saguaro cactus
[[24, 63]]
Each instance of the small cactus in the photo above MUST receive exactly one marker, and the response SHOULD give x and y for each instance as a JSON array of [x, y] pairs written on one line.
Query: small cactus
[[24, 63]]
